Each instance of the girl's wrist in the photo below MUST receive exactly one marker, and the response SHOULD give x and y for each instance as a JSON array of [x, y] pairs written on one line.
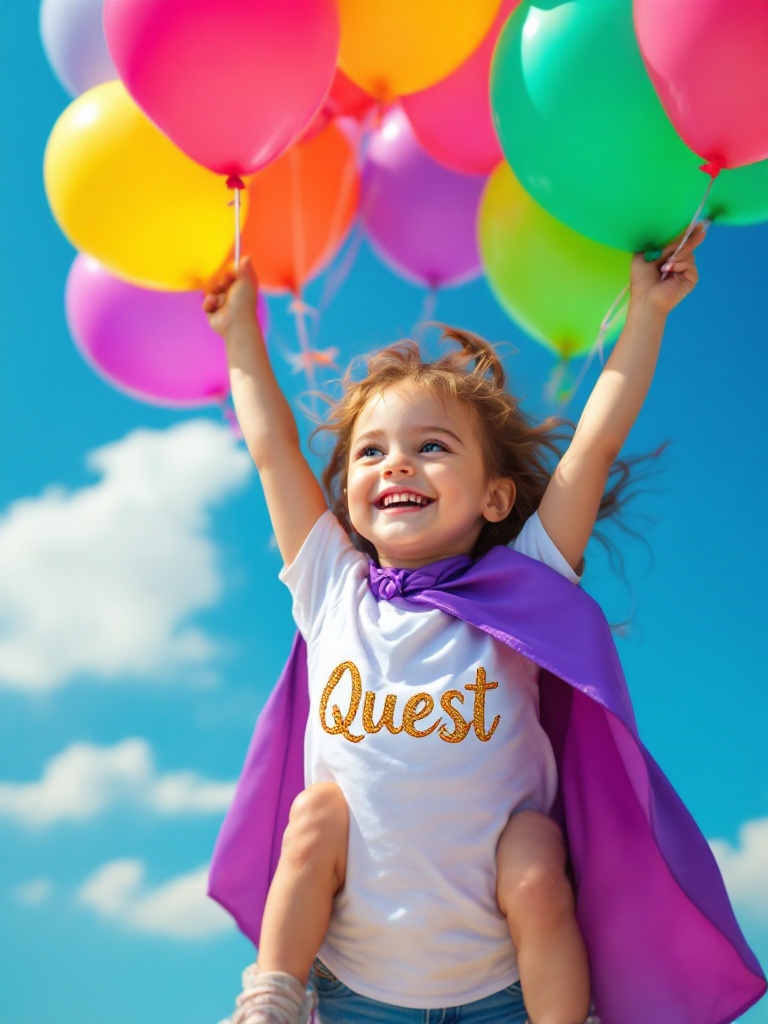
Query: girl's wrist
[[644, 309]]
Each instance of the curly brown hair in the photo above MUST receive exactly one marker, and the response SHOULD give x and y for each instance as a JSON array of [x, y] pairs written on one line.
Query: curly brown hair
[[513, 445]]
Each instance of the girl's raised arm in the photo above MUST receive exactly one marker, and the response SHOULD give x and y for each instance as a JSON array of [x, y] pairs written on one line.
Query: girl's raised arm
[[294, 497], [569, 508]]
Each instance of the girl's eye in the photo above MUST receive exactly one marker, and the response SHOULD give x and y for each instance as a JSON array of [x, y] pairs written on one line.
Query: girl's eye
[[433, 446], [368, 452]]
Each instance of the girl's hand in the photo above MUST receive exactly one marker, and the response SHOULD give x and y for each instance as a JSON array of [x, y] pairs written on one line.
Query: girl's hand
[[231, 299], [648, 283]]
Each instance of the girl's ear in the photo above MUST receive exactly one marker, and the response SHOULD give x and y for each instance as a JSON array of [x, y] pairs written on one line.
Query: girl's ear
[[500, 499]]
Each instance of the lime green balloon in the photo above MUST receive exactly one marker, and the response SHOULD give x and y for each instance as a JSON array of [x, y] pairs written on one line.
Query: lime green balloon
[[555, 283], [740, 196], [583, 129]]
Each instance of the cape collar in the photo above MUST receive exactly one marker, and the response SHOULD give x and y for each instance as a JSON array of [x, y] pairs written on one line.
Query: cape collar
[[387, 582]]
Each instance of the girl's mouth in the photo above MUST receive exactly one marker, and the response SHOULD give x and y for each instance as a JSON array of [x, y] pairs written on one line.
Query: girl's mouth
[[402, 499]]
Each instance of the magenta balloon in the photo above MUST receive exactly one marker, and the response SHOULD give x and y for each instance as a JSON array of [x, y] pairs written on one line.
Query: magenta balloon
[[708, 60], [452, 119], [152, 345], [74, 43], [231, 82], [419, 216]]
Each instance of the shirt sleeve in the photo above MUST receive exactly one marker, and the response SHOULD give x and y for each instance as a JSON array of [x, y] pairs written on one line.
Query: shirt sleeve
[[319, 573], [534, 541]]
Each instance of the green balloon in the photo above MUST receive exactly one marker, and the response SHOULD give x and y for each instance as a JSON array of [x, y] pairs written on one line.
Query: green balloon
[[583, 129], [556, 284], [740, 196]]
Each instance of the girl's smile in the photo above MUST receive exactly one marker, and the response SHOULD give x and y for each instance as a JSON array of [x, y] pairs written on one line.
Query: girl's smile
[[416, 485]]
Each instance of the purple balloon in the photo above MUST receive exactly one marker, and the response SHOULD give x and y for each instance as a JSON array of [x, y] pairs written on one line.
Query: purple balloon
[[74, 43], [419, 216], [155, 346]]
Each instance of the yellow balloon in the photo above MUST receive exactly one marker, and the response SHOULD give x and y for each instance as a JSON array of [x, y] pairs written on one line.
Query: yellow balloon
[[123, 193], [393, 47], [555, 283]]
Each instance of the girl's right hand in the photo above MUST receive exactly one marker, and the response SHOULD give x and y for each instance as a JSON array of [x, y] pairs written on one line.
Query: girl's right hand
[[231, 298]]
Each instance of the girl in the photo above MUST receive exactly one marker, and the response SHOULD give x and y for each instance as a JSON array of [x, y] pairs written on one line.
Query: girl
[[421, 862]]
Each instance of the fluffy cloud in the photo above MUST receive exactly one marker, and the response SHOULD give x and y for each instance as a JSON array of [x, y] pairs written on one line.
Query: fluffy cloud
[[34, 893], [85, 780], [178, 909], [104, 580], [745, 867]]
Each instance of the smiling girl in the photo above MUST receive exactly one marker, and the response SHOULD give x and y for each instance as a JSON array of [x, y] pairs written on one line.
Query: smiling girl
[[421, 870]]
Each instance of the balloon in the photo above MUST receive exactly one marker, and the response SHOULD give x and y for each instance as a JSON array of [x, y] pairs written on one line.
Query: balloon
[[452, 119], [709, 62], [740, 196], [556, 284], [583, 129], [300, 209], [402, 46], [345, 100], [231, 83], [122, 192], [156, 346], [419, 216], [74, 43]]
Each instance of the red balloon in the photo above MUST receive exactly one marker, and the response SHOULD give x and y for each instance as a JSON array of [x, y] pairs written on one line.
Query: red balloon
[[708, 60], [231, 82], [452, 119], [345, 99]]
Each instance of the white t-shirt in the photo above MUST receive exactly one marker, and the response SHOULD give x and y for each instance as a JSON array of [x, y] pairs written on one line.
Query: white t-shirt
[[431, 729]]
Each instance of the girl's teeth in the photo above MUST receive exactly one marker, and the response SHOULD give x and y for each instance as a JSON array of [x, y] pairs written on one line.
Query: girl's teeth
[[414, 499]]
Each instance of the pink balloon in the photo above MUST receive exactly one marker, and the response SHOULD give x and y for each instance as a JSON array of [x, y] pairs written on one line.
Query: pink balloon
[[155, 346], [345, 101], [419, 216], [231, 82], [452, 119], [708, 60]]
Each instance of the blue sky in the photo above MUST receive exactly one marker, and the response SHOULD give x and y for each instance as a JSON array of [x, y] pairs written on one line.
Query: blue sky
[[142, 623]]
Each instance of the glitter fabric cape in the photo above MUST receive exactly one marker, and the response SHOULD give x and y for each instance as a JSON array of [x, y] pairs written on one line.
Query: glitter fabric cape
[[664, 945]]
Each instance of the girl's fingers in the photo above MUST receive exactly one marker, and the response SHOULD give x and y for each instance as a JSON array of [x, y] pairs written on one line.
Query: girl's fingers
[[695, 238]]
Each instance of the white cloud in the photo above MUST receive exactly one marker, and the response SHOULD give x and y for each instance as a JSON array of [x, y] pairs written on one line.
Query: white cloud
[[745, 867], [35, 892], [104, 580], [84, 780], [178, 909]]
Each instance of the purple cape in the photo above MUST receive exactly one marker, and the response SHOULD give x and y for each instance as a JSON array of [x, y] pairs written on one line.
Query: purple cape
[[663, 942]]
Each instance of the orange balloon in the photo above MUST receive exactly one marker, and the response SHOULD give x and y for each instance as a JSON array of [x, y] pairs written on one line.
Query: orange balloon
[[300, 209]]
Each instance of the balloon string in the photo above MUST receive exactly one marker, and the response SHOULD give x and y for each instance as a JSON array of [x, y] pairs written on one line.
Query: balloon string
[[298, 248], [427, 314], [338, 271], [555, 390], [339, 268], [712, 170], [598, 346], [237, 184], [230, 417], [299, 311]]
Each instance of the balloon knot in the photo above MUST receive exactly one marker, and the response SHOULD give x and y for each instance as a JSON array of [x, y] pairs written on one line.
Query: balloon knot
[[233, 181], [712, 168]]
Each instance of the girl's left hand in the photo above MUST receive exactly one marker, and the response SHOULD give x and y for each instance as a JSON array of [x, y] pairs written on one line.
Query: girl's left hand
[[648, 283]]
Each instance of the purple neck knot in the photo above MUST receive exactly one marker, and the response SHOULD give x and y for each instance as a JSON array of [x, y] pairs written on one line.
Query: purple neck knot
[[387, 582]]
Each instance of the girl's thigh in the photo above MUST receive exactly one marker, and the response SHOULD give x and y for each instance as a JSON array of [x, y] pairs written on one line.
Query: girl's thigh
[[338, 1004]]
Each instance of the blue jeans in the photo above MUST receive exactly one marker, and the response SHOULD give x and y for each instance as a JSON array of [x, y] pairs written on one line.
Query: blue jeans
[[338, 1004]]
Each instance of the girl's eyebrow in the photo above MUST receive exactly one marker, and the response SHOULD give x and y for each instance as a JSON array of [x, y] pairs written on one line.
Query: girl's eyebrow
[[377, 435]]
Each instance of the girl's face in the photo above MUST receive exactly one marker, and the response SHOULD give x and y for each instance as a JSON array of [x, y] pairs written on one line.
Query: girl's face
[[417, 488]]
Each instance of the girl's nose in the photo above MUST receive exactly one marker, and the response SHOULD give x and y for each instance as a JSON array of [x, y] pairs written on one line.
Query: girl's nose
[[397, 464]]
